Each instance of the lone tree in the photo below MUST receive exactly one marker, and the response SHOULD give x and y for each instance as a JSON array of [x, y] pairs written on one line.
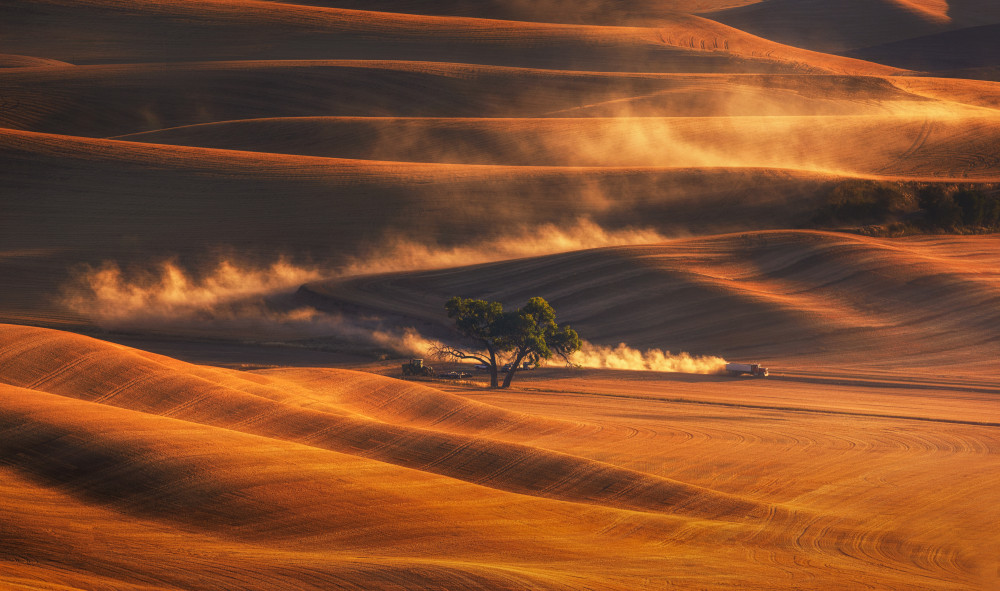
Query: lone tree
[[502, 341]]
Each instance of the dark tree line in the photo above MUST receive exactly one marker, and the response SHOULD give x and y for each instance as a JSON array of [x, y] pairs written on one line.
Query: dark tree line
[[964, 208], [910, 207]]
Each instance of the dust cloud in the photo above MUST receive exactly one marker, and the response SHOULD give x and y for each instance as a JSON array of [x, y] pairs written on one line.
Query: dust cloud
[[848, 143], [625, 357], [232, 296], [405, 254], [235, 300], [117, 299], [406, 342], [230, 301]]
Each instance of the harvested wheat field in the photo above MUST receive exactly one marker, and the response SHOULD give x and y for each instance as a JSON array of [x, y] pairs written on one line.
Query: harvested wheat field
[[320, 478], [227, 226]]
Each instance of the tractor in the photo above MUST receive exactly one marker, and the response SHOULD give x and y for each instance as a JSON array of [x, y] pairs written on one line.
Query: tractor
[[416, 367]]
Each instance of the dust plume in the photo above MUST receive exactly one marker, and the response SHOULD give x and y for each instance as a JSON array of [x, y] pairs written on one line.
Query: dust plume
[[251, 302], [117, 299], [405, 254], [228, 301], [406, 342], [134, 298], [363, 332], [625, 357], [231, 301]]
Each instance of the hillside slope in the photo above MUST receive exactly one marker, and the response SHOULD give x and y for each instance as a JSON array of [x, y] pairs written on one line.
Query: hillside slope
[[100, 101], [825, 298], [105, 31], [88, 201], [852, 24], [968, 48], [609, 12], [334, 129], [272, 480], [905, 145]]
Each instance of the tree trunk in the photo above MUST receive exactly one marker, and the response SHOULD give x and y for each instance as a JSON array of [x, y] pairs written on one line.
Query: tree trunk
[[513, 368], [493, 369]]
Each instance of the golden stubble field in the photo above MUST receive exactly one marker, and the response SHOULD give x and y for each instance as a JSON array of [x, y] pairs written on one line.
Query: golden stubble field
[[218, 218], [125, 469]]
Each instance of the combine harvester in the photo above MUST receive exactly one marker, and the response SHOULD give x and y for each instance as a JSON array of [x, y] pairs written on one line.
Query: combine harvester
[[754, 369]]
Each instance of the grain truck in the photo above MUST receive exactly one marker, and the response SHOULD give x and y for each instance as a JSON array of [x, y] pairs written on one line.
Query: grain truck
[[754, 369]]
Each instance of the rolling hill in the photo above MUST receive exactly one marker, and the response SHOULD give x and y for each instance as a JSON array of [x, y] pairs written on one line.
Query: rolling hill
[[156, 31], [853, 24], [968, 48], [829, 299], [275, 479], [904, 145]]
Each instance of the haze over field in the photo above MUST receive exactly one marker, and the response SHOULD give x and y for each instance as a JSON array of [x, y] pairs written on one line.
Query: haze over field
[[224, 222]]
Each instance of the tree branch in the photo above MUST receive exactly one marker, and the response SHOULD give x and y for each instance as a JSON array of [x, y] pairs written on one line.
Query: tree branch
[[454, 352]]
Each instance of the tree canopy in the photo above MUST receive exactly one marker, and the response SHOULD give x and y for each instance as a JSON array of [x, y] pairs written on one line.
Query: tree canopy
[[504, 341]]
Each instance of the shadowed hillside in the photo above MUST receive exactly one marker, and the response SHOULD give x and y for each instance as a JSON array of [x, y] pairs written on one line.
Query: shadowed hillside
[[332, 128], [103, 31], [131, 201], [117, 100], [852, 24], [834, 26], [906, 146], [970, 48], [607, 12], [781, 294]]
